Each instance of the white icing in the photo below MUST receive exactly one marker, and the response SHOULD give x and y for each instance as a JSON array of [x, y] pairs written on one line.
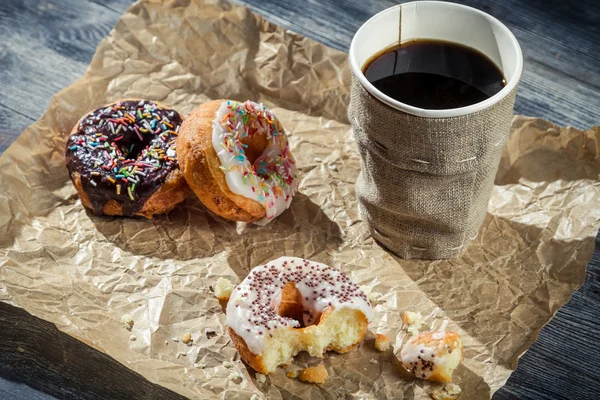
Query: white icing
[[418, 359], [438, 335], [421, 358], [272, 179], [253, 305]]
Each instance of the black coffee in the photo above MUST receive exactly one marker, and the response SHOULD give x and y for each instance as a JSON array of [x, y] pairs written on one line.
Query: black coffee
[[434, 74]]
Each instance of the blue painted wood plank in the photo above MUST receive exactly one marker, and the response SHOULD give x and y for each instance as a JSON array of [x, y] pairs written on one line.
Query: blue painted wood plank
[[10, 390], [44, 47], [36, 353], [560, 42]]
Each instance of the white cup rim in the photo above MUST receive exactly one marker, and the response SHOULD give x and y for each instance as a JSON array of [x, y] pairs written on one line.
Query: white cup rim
[[430, 113]]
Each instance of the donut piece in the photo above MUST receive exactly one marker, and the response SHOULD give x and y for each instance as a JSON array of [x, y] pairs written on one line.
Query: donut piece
[[291, 305], [382, 342], [433, 355], [223, 289], [122, 159], [237, 160], [316, 374], [448, 392]]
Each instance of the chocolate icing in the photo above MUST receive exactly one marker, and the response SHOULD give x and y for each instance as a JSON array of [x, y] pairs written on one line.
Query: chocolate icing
[[129, 143]]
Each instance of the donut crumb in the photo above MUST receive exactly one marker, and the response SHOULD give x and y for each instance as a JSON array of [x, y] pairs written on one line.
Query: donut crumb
[[236, 377], [382, 342], [373, 361], [223, 289], [187, 338], [450, 391], [413, 320], [292, 374], [261, 378], [127, 321], [316, 374]]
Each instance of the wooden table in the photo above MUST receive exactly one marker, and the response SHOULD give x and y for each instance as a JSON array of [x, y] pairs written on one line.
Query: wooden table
[[45, 46]]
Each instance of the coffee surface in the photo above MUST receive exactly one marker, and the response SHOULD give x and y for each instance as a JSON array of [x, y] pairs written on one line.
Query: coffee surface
[[434, 74]]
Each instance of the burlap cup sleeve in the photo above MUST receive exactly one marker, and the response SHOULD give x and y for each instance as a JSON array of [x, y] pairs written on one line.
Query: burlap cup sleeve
[[425, 183]]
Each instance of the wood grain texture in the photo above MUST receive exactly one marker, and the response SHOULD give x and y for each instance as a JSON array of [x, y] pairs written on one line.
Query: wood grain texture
[[564, 362], [31, 347], [15, 390], [10, 123], [560, 42], [45, 46]]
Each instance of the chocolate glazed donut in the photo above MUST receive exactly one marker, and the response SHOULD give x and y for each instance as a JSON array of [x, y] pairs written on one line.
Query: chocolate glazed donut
[[122, 159]]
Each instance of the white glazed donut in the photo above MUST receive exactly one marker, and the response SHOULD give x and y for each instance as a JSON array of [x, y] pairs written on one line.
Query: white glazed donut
[[291, 305], [271, 179], [236, 158]]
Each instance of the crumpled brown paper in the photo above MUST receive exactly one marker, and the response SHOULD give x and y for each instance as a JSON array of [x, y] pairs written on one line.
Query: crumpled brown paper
[[83, 272]]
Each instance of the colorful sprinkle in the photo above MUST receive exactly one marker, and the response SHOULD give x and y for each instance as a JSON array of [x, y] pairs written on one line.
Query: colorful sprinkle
[[137, 132], [110, 150], [273, 175]]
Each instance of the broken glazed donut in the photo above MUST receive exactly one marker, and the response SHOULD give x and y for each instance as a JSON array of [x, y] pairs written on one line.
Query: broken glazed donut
[[433, 355], [291, 305], [122, 159], [236, 158]]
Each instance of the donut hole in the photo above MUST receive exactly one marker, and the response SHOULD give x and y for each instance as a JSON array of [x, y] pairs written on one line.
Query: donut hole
[[291, 304], [256, 146], [132, 148]]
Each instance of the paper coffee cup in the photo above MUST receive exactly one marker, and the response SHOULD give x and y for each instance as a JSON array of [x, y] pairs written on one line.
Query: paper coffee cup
[[427, 175]]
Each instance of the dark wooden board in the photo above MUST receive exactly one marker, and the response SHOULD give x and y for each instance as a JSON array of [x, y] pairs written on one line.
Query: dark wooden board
[[31, 347], [45, 46]]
